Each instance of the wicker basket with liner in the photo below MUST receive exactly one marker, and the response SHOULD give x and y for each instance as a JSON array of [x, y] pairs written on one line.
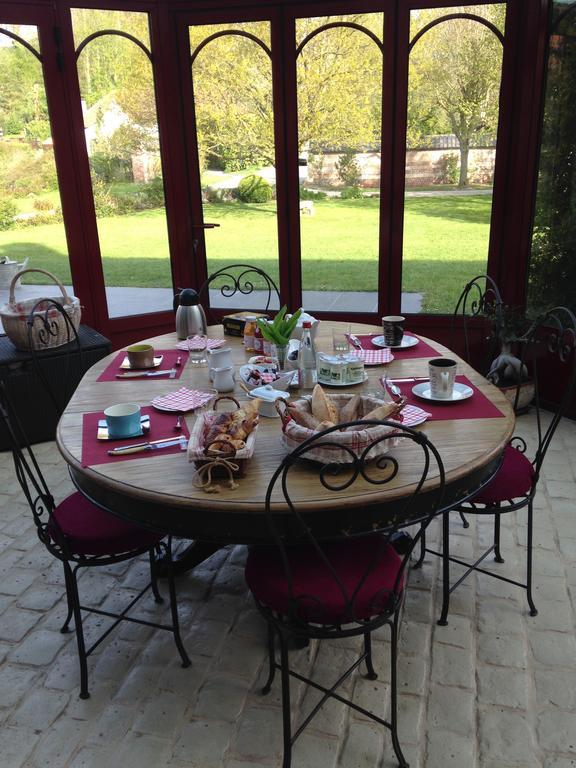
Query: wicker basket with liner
[[358, 440], [209, 455], [15, 316]]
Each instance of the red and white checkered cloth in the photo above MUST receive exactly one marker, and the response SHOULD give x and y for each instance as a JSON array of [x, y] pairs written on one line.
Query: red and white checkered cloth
[[188, 344], [412, 415], [374, 356], [183, 400]]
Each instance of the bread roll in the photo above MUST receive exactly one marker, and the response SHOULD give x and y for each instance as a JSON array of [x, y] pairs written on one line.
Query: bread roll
[[304, 418], [386, 411], [322, 407], [349, 411]]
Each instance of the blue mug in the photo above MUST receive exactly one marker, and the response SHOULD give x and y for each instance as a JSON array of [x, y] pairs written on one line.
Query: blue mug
[[123, 420]]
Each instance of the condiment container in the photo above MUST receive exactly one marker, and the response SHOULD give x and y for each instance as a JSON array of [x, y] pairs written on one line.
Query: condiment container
[[268, 395]]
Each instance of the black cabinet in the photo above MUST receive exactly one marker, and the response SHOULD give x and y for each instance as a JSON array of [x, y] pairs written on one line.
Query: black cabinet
[[63, 368]]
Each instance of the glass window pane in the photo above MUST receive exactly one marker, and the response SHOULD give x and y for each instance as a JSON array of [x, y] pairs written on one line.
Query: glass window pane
[[121, 130], [339, 128], [31, 227], [232, 81], [453, 95], [552, 275]]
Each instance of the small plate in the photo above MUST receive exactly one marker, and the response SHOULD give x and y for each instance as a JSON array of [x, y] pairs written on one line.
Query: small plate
[[125, 364], [173, 410], [347, 384], [103, 430], [406, 343], [461, 392]]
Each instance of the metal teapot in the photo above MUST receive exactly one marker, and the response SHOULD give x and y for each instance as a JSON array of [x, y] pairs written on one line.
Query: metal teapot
[[190, 317]]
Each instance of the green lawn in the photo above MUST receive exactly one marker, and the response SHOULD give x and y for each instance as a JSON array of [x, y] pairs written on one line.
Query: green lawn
[[445, 244]]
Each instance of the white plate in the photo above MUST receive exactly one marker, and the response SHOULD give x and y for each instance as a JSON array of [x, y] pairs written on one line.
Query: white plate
[[125, 364], [347, 384], [407, 342], [461, 392]]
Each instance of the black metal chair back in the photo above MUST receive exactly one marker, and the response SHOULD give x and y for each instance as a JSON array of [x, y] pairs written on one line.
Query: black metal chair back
[[242, 279], [550, 344], [32, 480], [408, 451], [45, 322], [479, 300]]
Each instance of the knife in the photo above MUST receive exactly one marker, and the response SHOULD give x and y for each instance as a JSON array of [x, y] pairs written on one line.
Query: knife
[[410, 378], [152, 445], [141, 374], [354, 340]]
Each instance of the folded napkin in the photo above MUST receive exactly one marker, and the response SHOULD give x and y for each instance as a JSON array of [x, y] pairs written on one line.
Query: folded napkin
[[182, 399], [196, 343], [374, 356], [412, 415]]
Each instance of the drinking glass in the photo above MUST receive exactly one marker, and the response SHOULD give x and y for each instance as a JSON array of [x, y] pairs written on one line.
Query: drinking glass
[[197, 345], [340, 343]]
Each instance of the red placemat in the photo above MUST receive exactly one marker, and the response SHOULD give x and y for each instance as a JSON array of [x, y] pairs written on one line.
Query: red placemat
[[96, 451], [476, 407], [170, 356], [420, 350]]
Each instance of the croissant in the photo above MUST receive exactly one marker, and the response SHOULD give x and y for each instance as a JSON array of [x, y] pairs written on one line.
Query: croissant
[[234, 426]]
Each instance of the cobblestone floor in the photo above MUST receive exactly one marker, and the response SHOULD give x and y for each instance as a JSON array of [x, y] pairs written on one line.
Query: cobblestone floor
[[494, 689]]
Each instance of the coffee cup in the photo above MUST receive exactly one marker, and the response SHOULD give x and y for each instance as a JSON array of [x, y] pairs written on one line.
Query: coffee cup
[[140, 355], [393, 330], [123, 420], [442, 372]]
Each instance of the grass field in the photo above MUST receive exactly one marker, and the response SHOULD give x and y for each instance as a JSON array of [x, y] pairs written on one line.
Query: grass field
[[445, 244]]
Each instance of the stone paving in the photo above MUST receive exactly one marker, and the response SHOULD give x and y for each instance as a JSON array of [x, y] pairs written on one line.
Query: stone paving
[[494, 689]]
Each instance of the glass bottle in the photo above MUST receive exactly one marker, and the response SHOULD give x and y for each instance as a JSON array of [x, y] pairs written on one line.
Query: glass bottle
[[307, 373], [249, 330]]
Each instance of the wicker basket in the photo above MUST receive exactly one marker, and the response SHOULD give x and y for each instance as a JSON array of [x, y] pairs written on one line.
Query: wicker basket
[[15, 316], [355, 440]]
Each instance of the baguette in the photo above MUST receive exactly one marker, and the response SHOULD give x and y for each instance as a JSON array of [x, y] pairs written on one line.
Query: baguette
[[322, 407], [350, 411], [384, 411]]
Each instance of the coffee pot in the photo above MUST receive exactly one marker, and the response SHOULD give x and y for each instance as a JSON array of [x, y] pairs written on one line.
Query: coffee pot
[[190, 317]]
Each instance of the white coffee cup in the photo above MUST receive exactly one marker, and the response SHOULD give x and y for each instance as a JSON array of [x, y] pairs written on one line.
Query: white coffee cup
[[219, 358], [442, 372]]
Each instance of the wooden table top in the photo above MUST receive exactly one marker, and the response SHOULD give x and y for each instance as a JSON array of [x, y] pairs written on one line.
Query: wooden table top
[[467, 446]]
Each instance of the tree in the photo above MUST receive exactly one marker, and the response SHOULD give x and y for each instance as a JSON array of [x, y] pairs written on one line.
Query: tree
[[458, 64]]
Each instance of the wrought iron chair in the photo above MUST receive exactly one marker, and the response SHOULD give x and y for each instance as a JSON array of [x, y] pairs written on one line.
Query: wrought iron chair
[[83, 535], [550, 341], [242, 279], [330, 589], [46, 321], [479, 299]]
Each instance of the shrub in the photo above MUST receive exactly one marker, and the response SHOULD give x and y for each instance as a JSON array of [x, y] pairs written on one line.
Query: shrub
[[103, 199], [310, 194], [254, 189], [348, 169], [448, 166], [43, 204], [153, 193], [7, 212], [351, 193]]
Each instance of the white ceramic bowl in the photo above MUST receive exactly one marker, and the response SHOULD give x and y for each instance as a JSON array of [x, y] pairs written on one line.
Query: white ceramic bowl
[[282, 383]]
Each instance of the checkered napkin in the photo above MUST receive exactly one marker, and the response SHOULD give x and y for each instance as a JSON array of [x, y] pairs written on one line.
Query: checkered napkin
[[183, 400], [412, 415], [196, 343], [374, 356]]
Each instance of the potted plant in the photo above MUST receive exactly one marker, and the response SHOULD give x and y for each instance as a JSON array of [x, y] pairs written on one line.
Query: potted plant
[[510, 327]]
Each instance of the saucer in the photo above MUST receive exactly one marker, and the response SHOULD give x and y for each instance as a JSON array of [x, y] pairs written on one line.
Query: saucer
[[406, 343], [461, 392], [103, 430], [125, 365]]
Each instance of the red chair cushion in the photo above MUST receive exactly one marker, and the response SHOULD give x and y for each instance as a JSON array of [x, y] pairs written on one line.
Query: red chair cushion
[[513, 479], [321, 600], [90, 530]]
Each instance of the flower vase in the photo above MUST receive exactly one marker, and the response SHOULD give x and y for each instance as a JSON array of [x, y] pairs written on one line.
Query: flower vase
[[281, 355]]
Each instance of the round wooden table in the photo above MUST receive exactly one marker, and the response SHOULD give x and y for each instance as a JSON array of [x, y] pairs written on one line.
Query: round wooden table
[[157, 491]]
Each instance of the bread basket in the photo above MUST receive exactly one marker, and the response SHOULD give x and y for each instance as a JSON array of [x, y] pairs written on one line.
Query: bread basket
[[15, 316], [357, 441]]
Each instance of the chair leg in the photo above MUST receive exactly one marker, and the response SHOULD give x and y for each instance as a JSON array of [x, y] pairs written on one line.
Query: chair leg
[[174, 607], [465, 523], [394, 691], [443, 620], [286, 714], [418, 563], [371, 674], [533, 609], [66, 626], [74, 601], [271, 661], [497, 556], [154, 576]]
